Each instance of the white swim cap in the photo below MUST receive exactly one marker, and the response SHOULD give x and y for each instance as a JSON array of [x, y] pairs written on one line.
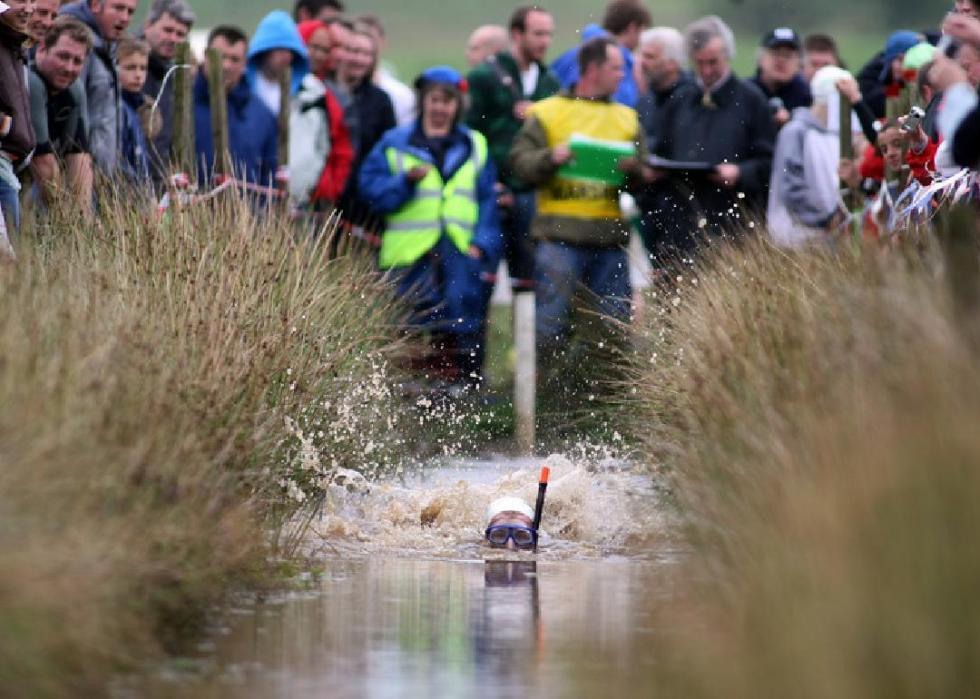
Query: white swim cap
[[509, 504]]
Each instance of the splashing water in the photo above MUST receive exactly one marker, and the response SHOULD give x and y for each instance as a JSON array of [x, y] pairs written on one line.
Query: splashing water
[[595, 507]]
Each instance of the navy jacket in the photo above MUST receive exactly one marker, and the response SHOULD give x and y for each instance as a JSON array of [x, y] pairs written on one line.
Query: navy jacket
[[794, 94], [252, 134], [132, 141]]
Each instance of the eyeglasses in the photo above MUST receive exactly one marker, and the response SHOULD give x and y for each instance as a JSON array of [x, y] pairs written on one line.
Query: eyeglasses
[[523, 537]]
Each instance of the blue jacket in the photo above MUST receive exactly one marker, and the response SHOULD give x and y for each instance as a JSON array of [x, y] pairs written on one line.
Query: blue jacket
[[252, 134], [566, 68], [277, 30], [133, 145], [103, 98], [387, 192]]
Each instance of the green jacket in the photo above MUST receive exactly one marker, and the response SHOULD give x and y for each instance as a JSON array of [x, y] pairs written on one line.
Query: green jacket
[[494, 88]]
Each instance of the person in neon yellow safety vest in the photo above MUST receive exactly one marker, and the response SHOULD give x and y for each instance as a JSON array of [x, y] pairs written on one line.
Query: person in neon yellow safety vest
[[435, 185]]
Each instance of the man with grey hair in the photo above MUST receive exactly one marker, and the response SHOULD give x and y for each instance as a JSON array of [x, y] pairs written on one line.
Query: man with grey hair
[[663, 66], [721, 127], [167, 24], [663, 70]]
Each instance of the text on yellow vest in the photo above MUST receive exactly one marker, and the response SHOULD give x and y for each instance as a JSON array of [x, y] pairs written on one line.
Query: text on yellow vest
[[562, 116]]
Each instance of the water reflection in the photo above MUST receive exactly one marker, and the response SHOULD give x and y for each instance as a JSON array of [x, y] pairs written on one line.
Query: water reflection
[[415, 628], [507, 632]]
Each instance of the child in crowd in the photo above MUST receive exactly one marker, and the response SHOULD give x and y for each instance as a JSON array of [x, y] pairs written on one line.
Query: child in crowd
[[907, 155], [140, 124]]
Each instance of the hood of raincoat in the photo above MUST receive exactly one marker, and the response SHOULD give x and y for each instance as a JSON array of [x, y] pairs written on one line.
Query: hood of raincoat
[[277, 30]]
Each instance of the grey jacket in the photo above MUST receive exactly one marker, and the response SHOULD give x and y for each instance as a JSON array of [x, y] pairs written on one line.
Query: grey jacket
[[103, 98], [804, 191]]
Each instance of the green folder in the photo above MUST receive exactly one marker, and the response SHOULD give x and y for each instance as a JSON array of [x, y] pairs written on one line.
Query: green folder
[[596, 160]]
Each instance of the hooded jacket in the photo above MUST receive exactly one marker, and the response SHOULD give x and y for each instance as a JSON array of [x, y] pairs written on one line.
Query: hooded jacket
[[803, 193], [252, 134], [103, 95], [277, 30], [386, 192], [14, 100]]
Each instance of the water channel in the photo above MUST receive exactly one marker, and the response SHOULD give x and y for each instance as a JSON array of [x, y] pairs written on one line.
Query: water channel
[[406, 609]]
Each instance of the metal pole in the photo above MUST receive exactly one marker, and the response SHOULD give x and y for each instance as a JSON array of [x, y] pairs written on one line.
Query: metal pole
[[525, 371]]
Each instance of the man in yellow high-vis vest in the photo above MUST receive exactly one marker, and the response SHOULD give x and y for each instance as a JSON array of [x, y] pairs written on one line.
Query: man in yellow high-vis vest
[[581, 234], [434, 183]]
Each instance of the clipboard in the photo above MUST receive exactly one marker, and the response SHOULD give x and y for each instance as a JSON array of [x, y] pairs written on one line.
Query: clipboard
[[659, 163], [597, 160]]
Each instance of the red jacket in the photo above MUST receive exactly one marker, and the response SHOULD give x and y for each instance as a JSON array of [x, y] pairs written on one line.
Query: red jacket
[[921, 164], [338, 168]]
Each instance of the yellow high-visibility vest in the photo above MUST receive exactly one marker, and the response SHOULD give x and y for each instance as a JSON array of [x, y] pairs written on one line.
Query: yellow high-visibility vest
[[562, 116], [437, 206]]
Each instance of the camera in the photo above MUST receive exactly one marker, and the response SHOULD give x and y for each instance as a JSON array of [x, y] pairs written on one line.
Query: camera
[[914, 120]]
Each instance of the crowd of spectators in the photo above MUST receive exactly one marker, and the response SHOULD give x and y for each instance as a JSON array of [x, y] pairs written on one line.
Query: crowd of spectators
[[457, 172]]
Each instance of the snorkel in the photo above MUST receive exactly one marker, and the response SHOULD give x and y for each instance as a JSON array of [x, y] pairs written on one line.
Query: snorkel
[[539, 505]]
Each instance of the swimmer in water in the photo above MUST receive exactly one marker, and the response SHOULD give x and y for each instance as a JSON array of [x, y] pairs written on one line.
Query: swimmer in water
[[510, 525]]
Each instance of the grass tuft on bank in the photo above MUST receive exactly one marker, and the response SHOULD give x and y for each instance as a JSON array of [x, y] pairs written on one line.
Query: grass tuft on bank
[[173, 390], [817, 415]]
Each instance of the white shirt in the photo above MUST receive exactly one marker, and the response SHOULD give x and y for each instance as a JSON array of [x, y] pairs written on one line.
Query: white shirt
[[269, 92], [529, 79]]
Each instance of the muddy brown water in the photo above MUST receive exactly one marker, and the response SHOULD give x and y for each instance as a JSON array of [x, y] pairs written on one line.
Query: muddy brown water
[[402, 610]]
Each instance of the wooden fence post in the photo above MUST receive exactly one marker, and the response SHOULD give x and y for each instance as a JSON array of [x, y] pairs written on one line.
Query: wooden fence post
[[182, 153], [846, 145], [219, 113]]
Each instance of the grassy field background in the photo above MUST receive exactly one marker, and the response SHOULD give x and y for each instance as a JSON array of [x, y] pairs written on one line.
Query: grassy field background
[[427, 32]]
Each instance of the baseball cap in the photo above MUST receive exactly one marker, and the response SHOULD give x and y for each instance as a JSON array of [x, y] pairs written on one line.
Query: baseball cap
[[443, 75], [782, 37], [898, 43]]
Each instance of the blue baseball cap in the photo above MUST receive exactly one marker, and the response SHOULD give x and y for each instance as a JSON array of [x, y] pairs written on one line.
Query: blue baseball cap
[[897, 44], [442, 75]]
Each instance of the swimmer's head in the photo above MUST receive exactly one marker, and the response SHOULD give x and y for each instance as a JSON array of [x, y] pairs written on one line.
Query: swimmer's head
[[510, 524]]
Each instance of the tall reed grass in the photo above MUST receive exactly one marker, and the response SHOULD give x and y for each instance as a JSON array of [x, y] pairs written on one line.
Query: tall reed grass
[[817, 415], [171, 390]]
